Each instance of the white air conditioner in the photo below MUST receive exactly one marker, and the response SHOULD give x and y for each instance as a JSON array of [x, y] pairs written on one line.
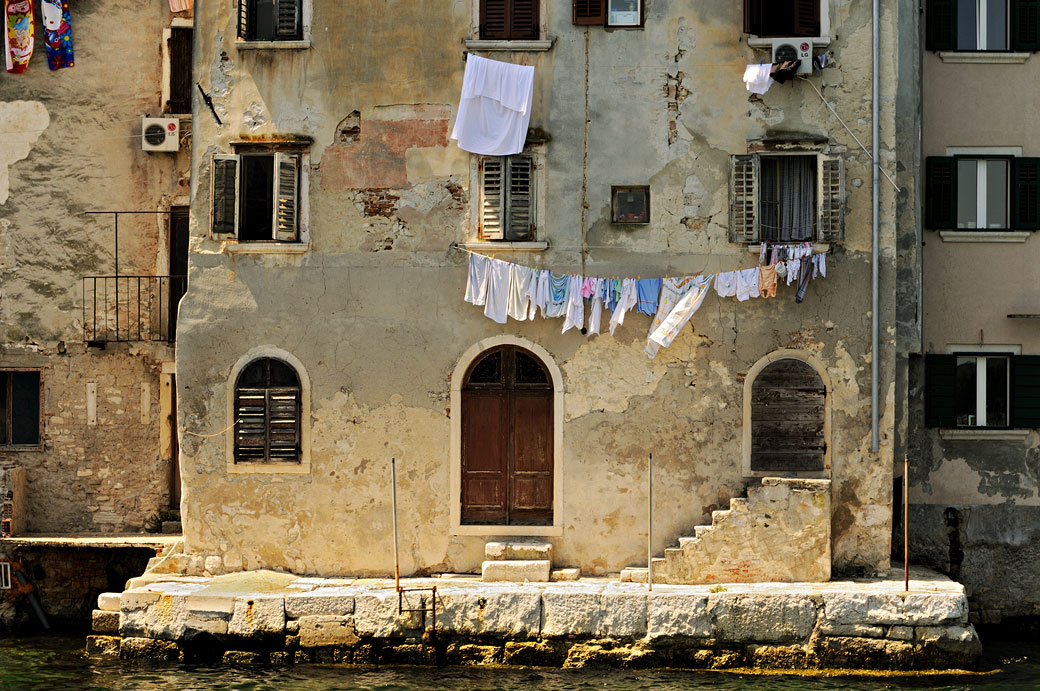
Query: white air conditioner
[[160, 134], [785, 49]]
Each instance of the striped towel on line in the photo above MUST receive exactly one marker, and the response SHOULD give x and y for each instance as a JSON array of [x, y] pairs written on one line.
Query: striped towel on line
[[180, 5]]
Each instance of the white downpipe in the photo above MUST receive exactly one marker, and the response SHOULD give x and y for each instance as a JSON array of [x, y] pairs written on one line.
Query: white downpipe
[[876, 205]]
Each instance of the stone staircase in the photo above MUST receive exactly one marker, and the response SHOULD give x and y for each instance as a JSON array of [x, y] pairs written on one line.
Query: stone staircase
[[522, 561], [781, 532]]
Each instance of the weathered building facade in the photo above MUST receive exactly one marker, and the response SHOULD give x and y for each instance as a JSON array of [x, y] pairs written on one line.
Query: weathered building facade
[[974, 448], [86, 355], [324, 331]]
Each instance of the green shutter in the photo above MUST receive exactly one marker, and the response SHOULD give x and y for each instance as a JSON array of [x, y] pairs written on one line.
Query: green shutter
[[940, 390], [1025, 200], [940, 193], [941, 25], [287, 19], [1025, 25], [1025, 386]]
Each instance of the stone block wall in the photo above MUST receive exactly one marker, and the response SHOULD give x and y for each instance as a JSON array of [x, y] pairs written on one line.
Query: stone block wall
[[12, 501]]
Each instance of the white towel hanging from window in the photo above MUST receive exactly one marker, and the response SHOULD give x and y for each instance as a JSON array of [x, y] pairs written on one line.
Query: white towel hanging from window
[[495, 107]]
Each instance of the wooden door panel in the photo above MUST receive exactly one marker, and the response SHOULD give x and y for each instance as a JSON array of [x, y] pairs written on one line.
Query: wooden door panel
[[531, 470], [484, 443], [788, 406]]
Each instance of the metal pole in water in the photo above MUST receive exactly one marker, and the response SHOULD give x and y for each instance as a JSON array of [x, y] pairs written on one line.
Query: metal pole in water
[[906, 527], [650, 526], [393, 487]]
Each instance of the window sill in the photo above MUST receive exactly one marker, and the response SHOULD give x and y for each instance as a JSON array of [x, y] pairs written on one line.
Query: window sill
[[984, 235], [817, 247], [818, 41], [491, 246], [272, 45], [233, 247], [510, 46], [269, 468], [984, 434], [983, 58], [508, 530]]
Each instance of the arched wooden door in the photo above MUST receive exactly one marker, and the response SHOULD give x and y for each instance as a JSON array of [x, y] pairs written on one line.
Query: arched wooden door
[[788, 404], [507, 440]]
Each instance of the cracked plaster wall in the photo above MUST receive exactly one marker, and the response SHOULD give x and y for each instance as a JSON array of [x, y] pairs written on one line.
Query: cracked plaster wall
[[374, 307], [70, 143]]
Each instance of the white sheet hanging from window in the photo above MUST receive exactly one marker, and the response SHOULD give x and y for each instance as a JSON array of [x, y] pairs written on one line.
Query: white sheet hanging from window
[[495, 107]]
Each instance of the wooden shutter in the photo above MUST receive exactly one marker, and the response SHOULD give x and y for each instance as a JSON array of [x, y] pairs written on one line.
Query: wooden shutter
[[179, 47], [520, 204], [1025, 397], [941, 25], [940, 193], [524, 20], [1025, 25], [743, 209], [246, 19], [224, 195], [753, 16], [940, 390], [492, 198], [494, 20], [283, 424], [250, 424], [485, 437], [590, 12], [1026, 194], [287, 19], [831, 181], [807, 18], [788, 405], [286, 197]]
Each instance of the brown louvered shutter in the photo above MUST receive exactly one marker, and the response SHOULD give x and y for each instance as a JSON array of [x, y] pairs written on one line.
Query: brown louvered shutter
[[494, 20], [807, 18], [743, 210], [287, 19], [753, 16], [180, 70], [492, 199], [286, 196], [283, 424], [590, 12], [832, 198], [224, 195], [250, 424], [523, 17], [246, 19], [520, 204]]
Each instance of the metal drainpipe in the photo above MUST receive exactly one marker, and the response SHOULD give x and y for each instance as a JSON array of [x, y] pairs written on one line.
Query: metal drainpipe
[[874, 244]]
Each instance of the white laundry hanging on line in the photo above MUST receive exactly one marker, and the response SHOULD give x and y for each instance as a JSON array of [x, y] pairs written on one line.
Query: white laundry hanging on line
[[747, 284], [685, 308], [626, 302], [519, 285], [596, 313], [757, 79], [575, 315], [498, 291], [672, 290], [495, 107], [477, 278]]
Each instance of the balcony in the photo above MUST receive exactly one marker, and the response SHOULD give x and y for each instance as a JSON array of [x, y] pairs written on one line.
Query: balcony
[[123, 309]]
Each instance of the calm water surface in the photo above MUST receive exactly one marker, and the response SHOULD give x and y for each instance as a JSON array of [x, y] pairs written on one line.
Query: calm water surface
[[59, 663]]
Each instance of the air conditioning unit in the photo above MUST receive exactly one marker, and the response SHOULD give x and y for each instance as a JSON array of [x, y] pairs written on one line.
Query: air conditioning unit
[[160, 134], [785, 49]]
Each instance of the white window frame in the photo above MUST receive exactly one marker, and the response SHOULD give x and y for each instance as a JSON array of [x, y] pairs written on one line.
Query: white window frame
[[175, 23], [821, 41], [981, 353], [982, 193], [476, 43], [306, 12], [537, 152], [982, 25]]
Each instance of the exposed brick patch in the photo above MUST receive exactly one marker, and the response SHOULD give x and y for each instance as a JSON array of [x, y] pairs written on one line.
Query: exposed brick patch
[[378, 203]]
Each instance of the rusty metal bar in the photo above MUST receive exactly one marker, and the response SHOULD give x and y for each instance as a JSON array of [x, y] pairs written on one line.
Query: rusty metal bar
[[393, 490], [906, 524], [650, 525]]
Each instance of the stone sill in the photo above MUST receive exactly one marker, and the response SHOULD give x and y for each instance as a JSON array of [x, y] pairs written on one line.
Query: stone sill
[[984, 434], [507, 530], [983, 58], [504, 246], [984, 235], [509, 46], [817, 247], [272, 45], [817, 42], [233, 247], [269, 468]]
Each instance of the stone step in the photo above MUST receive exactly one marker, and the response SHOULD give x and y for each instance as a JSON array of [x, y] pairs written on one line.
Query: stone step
[[633, 574], [685, 542], [738, 504], [519, 550], [516, 570], [676, 551], [718, 516], [565, 575], [701, 530]]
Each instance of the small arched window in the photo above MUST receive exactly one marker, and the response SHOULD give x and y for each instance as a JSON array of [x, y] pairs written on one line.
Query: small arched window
[[267, 413]]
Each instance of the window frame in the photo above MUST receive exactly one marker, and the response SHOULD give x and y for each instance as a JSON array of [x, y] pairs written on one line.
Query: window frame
[[282, 153], [1022, 29], [535, 151], [981, 376], [8, 412], [981, 191], [763, 41], [303, 466], [540, 44], [616, 190], [940, 396], [305, 13], [942, 194], [830, 194]]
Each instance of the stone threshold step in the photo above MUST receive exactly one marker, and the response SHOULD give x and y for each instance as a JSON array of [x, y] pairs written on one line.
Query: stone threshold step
[[516, 570], [522, 550]]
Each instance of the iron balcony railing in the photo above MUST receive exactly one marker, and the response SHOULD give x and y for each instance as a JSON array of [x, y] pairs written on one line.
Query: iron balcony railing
[[131, 308]]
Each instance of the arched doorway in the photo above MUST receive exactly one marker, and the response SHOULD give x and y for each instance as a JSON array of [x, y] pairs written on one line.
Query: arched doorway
[[788, 418], [507, 439]]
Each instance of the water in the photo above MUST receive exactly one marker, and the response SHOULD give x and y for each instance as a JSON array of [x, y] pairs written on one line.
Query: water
[[59, 663]]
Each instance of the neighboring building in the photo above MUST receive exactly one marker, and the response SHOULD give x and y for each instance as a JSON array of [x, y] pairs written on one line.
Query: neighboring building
[[86, 335], [974, 447], [324, 331]]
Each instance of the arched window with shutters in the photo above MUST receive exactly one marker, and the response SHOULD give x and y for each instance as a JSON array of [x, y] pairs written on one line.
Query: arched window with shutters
[[507, 440], [787, 416]]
